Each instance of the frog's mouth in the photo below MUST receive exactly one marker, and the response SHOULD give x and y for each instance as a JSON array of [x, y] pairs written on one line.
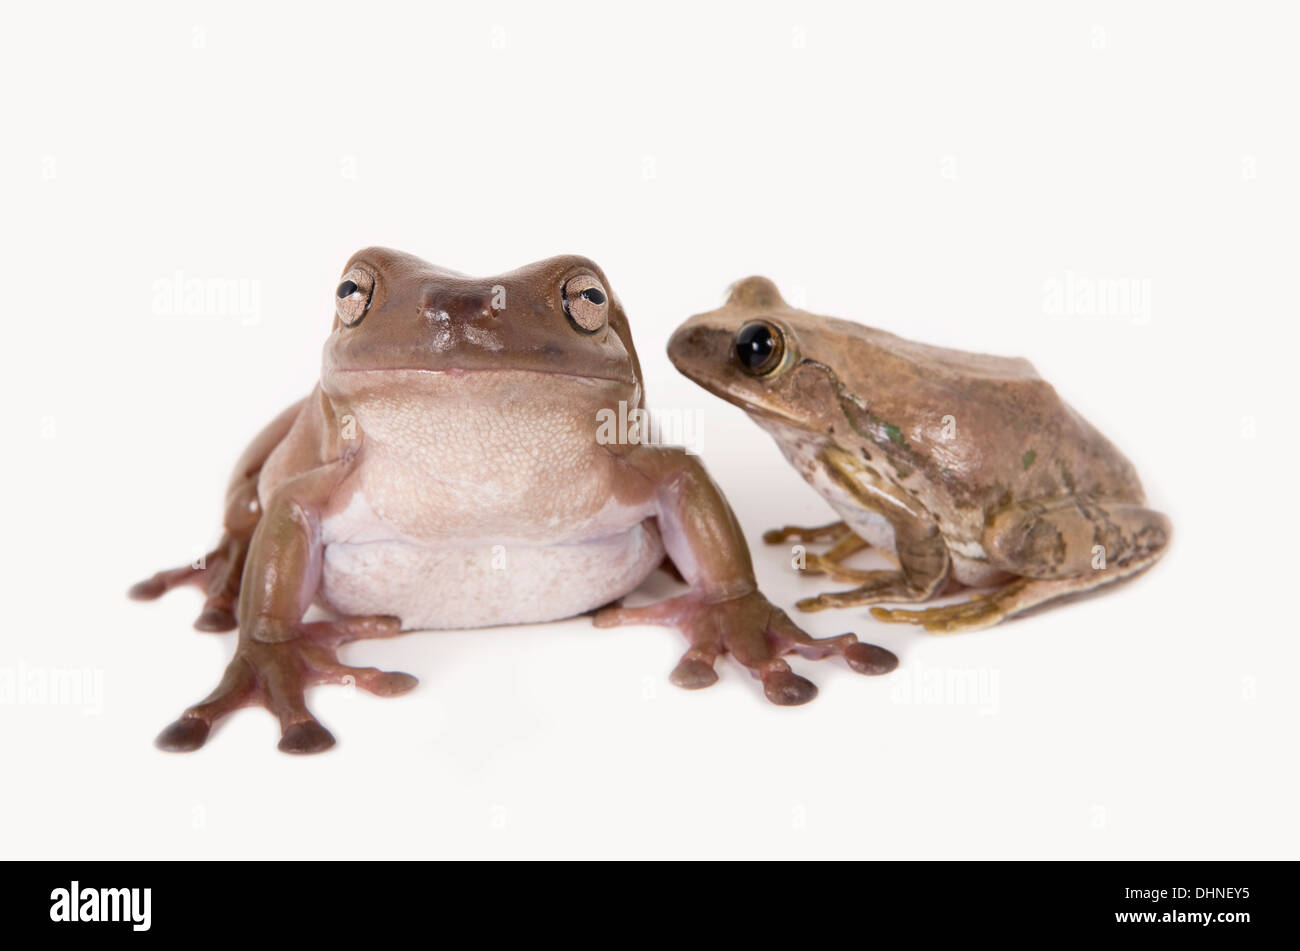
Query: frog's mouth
[[740, 400], [364, 373], [737, 395], [457, 387]]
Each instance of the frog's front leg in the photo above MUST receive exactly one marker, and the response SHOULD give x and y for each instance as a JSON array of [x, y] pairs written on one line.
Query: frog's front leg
[[724, 612], [923, 558], [845, 544], [278, 655]]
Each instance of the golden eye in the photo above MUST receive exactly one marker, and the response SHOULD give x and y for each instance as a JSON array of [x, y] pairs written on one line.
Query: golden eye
[[352, 296], [759, 347], [586, 303]]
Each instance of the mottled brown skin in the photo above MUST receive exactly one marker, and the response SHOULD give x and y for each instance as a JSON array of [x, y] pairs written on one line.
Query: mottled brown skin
[[969, 467], [405, 460]]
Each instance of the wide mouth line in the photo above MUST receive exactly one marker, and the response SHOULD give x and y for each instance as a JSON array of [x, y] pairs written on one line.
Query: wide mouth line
[[738, 401], [466, 371]]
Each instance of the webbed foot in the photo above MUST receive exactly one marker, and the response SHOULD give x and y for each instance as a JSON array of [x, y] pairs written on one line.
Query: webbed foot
[[275, 675], [756, 633]]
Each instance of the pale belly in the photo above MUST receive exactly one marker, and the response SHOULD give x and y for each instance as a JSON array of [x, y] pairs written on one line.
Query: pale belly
[[483, 500], [485, 585], [371, 568]]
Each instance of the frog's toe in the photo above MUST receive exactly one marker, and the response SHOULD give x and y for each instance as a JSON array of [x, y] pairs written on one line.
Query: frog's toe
[[275, 676], [382, 683], [614, 617], [215, 620], [694, 672], [755, 633], [148, 589], [183, 736], [339, 631], [876, 587], [816, 533], [394, 683], [327, 669], [823, 565], [869, 659], [669, 613], [980, 611], [812, 605], [306, 737], [163, 581], [785, 688]]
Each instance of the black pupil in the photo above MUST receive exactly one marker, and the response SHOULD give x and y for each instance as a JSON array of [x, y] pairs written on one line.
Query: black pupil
[[347, 289], [594, 295], [755, 345]]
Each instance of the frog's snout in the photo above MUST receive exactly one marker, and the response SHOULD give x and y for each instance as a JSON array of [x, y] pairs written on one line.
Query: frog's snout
[[699, 348], [463, 309], [686, 344], [684, 339]]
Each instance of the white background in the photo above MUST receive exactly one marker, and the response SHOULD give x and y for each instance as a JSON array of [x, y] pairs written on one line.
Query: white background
[[928, 169]]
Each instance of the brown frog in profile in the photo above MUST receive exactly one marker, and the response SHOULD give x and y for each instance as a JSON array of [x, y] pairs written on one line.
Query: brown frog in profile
[[448, 472], [965, 468]]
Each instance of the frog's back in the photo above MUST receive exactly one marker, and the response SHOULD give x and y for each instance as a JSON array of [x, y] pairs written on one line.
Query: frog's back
[[869, 346], [990, 424]]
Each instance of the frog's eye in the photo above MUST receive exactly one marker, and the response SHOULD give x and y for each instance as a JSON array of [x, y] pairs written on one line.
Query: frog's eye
[[759, 347], [352, 296], [586, 303]]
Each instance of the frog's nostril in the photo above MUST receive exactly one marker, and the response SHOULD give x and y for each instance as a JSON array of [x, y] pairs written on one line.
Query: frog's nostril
[[464, 307]]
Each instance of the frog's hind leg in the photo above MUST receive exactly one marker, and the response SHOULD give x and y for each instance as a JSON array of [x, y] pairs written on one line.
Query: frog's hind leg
[[986, 609], [217, 573], [1058, 549], [222, 587]]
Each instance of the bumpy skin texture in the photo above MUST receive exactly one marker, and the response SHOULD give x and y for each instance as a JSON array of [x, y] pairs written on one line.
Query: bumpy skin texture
[[964, 467], [449, 471]]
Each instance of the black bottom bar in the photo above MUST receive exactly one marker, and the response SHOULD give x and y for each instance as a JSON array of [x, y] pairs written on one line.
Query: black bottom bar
[[235, 901]]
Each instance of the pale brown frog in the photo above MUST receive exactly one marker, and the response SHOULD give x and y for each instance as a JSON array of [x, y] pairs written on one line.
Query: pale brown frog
[[964, 467], [448, 472]]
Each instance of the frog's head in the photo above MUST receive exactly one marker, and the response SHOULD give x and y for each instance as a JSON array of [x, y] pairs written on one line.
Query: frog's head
[[760, 353], [395, 315]]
